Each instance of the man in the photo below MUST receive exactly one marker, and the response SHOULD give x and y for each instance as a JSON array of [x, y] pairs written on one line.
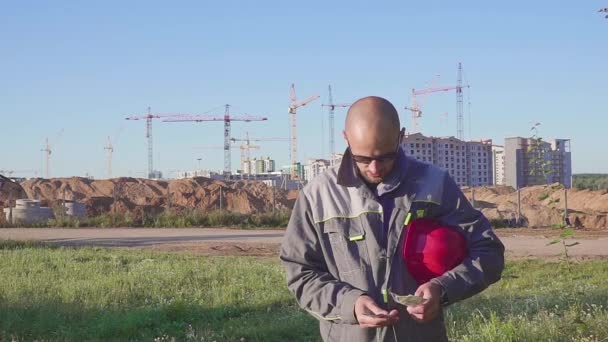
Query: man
[[342, 248]]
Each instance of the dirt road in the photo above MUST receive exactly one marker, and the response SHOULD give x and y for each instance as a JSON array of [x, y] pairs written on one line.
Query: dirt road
[[218, 241]]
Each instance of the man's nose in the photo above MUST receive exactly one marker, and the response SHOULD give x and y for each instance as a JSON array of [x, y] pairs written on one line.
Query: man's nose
[[374, 166]]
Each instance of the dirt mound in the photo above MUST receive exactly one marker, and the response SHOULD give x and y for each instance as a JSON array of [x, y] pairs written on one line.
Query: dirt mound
[[543, 205], [9, 192], [139, 196]]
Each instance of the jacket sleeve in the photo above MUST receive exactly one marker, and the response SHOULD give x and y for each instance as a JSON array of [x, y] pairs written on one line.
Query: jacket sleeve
[[485, 262], [315, 289]]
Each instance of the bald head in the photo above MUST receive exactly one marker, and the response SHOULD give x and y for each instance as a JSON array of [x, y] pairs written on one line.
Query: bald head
[[372, 119], [372, 131]]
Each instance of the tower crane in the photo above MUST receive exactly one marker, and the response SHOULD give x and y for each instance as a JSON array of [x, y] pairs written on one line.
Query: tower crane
[[293, 106], [416, 110], [47, 149], [148, 117], [110, 148], [245, 154], [331, 107], [227, 119]]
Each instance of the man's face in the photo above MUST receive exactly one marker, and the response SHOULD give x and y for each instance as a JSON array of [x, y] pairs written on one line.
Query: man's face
[[374, 158]]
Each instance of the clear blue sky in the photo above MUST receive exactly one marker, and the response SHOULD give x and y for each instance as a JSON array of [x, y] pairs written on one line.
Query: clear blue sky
[[84, 66]]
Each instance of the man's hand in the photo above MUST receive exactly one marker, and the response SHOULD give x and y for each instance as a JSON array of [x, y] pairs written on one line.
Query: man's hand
[[370, 315], [428, 311]]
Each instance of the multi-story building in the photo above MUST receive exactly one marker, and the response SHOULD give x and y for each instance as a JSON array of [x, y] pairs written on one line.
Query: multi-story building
[[468, 162], [269, 165], [532, 161], [258, 166], [315, 167], [498, 164]]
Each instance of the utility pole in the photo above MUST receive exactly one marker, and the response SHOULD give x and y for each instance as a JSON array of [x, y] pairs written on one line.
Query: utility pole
[[518, 207], [220, 199], [273, 199], [565, 203]]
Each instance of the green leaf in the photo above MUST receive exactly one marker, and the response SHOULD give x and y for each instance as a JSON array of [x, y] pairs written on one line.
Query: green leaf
[[566, 233]]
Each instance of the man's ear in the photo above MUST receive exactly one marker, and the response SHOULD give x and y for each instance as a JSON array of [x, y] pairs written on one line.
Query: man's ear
[[344, 135]]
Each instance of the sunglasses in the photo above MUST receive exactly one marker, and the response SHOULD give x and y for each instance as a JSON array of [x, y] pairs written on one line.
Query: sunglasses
[[381, 159]]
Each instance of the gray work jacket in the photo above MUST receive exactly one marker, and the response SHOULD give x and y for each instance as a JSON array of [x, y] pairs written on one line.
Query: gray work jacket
[[332, 254]]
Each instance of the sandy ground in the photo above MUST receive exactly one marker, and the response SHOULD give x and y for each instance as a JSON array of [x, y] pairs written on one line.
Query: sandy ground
[[519, 243]]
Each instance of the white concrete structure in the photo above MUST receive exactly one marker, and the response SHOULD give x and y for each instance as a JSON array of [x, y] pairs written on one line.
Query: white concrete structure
[[27, 211], [315, 167], [75, 209], [498, 164], [468, 162]]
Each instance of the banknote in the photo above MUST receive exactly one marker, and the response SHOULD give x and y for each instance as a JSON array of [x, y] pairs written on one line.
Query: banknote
[[408, 300]]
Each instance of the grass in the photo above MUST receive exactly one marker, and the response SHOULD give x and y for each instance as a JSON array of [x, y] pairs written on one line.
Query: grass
[[168, 219], [67, 294]]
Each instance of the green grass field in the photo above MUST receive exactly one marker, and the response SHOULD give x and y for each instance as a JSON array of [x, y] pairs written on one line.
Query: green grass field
[[80, 294]]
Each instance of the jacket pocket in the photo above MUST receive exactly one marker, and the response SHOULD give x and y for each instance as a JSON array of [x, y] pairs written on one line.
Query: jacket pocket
[[346, 240]]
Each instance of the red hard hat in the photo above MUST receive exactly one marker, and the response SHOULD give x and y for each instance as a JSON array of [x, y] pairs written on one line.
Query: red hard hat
[[431, 249]]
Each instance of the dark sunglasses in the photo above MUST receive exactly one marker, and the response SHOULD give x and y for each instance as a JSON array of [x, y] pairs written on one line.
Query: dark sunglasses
[[381, 159]]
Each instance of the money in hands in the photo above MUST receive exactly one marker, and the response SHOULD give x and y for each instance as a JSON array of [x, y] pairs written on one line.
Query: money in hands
[[408, 300]]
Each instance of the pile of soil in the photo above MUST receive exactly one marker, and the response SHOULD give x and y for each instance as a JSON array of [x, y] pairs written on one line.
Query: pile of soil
[[135, 195], [543, 205]]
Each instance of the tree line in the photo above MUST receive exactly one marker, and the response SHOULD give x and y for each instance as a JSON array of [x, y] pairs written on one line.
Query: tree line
[[591, 181]]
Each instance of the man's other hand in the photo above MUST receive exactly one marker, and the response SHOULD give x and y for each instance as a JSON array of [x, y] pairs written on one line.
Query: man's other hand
[[428, 311], [370, 315]]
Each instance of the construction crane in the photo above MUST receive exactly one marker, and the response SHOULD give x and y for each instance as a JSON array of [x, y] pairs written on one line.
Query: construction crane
[[416, 110], [293, 106], [416, 103], [47, 149], [110, 148], [148, 117], [331, 107], [245, 155], [227, 119]]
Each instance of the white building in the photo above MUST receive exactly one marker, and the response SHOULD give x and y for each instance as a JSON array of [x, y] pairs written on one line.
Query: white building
[[469, 163], [315, 167], [258, 166], [498, 164]]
